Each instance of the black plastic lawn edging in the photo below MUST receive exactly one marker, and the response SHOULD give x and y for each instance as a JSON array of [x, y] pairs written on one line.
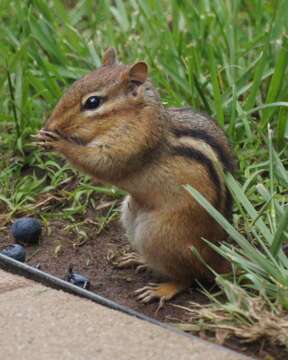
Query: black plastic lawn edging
[[19, 268]]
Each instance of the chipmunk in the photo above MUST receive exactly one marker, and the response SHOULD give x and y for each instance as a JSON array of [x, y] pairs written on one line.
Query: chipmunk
[[112, 125]]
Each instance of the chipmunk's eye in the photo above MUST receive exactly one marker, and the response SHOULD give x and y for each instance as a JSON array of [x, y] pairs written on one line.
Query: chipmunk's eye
[[92, 102]]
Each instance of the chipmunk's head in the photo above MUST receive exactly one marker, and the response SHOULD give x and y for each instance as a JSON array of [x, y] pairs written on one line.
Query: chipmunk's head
[[102, 100]]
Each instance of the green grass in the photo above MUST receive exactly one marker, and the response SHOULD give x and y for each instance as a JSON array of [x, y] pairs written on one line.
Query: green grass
[[227, 58]]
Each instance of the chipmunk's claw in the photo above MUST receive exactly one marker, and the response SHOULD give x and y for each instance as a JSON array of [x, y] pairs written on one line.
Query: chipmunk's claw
[[131, 260], [46, 139], [47, 135], [163, 292]]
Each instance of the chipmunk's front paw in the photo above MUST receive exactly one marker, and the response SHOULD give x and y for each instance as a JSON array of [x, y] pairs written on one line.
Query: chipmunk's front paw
[[163, 292], [48, 140]]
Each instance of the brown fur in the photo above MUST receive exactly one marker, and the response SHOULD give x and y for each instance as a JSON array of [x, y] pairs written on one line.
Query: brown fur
[[131, 141]]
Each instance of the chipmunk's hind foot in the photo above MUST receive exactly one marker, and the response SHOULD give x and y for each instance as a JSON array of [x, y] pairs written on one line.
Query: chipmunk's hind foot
[[163, 292]]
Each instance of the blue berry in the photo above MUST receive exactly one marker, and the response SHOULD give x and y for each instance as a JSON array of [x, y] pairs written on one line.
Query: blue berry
[[26, 230], [15, 251]]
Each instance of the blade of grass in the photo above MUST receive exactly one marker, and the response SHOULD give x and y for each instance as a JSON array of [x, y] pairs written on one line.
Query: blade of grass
[[280, 235], [276, 82], [13, 104], [257, 79], [216, 87], [235, 188]]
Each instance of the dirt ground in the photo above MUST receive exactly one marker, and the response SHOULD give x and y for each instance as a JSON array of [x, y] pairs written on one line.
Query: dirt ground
[[94, 259]]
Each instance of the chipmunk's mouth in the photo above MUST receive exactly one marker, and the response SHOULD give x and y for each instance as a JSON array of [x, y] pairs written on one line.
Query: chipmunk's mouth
[[71, 138]]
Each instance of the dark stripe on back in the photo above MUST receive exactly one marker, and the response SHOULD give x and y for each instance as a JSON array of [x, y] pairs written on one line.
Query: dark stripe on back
[[228, 205], [198, 156], [226, 160]]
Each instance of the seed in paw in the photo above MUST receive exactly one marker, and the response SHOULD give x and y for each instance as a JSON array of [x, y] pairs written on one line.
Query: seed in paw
[[15, 251], [26, 230]]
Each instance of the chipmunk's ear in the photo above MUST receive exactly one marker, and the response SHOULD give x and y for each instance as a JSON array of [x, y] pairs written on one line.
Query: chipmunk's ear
[[138, 73], [110, 57]]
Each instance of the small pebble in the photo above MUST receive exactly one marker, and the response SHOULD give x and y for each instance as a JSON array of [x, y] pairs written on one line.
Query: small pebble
[[15, 251], [26, 230]]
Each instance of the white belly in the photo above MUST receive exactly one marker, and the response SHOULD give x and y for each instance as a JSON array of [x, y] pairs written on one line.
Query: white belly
[[136, 223]]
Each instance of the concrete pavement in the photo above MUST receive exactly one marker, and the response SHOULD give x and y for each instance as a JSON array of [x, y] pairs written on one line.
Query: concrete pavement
[[37, 322]]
